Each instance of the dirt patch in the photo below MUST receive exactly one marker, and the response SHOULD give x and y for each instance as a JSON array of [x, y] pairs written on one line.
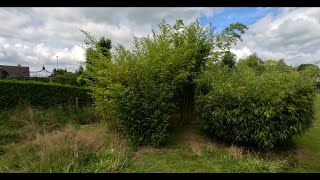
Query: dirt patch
[[301, 155], [198, 143], [235, 151], [138, 158]]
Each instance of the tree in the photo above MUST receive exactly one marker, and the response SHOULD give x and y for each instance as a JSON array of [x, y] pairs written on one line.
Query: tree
[[304, 66], [229, 59], [105, 47], [98, 53], [80, 70], [313, 71], [63, 76]]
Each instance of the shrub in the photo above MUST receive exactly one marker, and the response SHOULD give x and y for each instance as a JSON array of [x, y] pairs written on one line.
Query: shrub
[[141, 86], [12, 93], [255, 106]]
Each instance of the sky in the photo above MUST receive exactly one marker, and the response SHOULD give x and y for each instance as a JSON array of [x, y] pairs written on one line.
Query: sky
[[34, 37]]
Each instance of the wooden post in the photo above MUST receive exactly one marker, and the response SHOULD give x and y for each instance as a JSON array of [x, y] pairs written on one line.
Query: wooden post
[[77, 102]]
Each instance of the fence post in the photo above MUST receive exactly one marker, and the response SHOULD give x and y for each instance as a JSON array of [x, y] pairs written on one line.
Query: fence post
[[77, 102]]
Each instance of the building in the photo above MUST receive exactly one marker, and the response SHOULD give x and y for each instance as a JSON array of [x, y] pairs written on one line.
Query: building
[[14, 71], [42, 73]]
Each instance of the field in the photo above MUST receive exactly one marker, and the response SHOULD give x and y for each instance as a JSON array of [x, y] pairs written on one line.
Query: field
[[78, 140]]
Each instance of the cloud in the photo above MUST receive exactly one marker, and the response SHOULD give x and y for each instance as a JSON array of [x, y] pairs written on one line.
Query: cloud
[[241, 53], [41, 54], [35, 36], [293, 34]]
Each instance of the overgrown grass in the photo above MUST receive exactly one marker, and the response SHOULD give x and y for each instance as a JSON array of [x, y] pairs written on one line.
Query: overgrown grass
[[59, 140], [86, 149], [77, 140], [25, 122]]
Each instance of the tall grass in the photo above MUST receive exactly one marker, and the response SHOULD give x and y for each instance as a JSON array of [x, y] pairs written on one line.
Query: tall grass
[[59, 140], [26, 122], [86, 149]]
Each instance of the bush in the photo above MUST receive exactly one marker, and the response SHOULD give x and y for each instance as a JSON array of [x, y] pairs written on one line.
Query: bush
[[12, 93], [141, 85], [257, 107]]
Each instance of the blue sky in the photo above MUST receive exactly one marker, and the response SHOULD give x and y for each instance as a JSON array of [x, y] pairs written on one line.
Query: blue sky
[[244, 15]]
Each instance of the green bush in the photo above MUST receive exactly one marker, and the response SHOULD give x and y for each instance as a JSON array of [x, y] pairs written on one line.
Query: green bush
[[255, 106], [141, 86], [13, 93]]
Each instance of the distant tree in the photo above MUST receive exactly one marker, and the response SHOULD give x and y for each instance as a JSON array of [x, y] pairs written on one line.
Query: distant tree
[[253, 62], [229, 59], [105, 47], [58, 72], [80, 70], [304, 66], [313, 71], [63, 76]]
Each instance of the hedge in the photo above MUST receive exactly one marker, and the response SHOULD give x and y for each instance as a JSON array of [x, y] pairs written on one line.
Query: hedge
[[255, 109], [13, 93]]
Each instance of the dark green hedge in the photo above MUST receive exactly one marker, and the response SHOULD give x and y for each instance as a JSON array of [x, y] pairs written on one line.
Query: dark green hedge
[[13, 93], [255, 109]]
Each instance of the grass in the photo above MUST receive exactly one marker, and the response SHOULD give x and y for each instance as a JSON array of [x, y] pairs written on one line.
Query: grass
[[26, 122], [190, 151], [78, 140], [59, 140], [308, 151], [86, 149]]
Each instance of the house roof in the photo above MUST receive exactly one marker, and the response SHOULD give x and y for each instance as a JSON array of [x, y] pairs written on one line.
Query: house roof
[[21, 71]]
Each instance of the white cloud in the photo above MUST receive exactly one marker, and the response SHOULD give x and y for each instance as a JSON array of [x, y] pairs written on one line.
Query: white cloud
[[293, 34], [35, 36], [241, 53], [41, 54]]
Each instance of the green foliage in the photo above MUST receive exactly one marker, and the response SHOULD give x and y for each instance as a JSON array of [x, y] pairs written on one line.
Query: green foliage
[[37, 79], [259, 104], [229, 59], [141, 85], [66, 77], [105, 45], [40, 94], [304, 66], [313, 72], [230, 35], [252, 61], [97, 54]]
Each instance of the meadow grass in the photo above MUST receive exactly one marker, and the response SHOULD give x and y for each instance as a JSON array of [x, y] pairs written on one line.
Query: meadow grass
[[79, 140]]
